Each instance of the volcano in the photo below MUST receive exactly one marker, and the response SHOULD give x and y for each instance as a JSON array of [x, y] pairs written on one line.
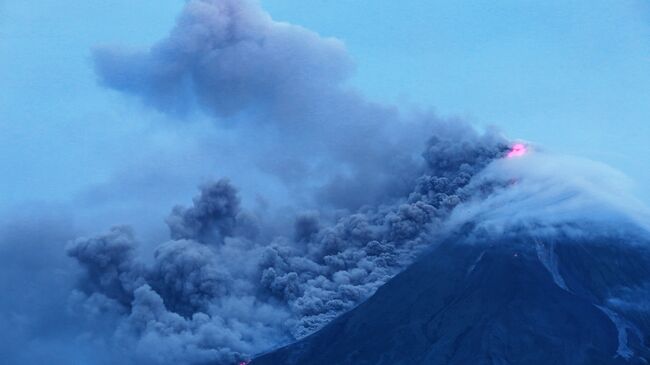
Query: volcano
[[517, 300]]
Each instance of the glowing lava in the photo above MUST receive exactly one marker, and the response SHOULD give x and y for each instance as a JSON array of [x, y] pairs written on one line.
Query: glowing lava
[[518, 149]]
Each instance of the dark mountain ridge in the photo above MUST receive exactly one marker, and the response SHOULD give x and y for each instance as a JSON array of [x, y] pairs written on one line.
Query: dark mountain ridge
[[519, 300]]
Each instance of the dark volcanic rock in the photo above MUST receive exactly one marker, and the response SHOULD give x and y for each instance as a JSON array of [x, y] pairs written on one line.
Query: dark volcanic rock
[[521, 302]]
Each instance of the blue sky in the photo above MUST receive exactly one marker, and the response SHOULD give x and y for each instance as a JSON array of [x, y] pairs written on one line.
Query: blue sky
[[573, 76]]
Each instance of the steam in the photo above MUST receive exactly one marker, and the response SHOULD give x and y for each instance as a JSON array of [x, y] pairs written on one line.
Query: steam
[[546, 194]]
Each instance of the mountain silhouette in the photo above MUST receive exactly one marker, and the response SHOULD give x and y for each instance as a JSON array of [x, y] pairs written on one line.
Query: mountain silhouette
[[517, 300]]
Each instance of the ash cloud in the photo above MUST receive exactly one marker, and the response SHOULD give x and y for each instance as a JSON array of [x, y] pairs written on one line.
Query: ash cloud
[[226, 299], [369, 185], [36, 279], [212, 217], [227, 56], [376, 185], [282, 88]]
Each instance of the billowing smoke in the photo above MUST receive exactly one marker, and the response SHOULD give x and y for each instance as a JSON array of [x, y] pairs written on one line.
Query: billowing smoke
[[283, 88], [213, 216], [229, 56], [231, 283], [369, 186], [368, 183], [218, 292]]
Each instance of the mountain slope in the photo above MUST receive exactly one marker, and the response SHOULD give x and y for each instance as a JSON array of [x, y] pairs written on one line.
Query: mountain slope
[[521, 301]]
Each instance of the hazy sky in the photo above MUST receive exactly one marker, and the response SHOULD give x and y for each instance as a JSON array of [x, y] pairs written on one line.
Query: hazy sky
[[573, 76]]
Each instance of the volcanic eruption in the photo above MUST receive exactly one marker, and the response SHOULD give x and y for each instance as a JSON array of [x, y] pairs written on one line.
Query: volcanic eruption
[[328, 228], [538, 272]]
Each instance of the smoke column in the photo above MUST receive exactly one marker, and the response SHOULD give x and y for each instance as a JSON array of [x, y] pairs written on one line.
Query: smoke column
[[370, 186]]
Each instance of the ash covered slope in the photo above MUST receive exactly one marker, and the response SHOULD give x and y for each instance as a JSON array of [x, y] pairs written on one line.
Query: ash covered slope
[[517, 300], [548, 263]]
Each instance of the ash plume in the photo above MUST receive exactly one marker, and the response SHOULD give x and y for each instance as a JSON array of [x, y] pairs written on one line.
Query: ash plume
[[369, 187], [253, 293], [212, 217], [372, 194], [385, 183], [282, 88]]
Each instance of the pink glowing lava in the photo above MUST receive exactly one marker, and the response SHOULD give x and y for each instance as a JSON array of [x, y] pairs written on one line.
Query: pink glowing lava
[[518, 149]]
